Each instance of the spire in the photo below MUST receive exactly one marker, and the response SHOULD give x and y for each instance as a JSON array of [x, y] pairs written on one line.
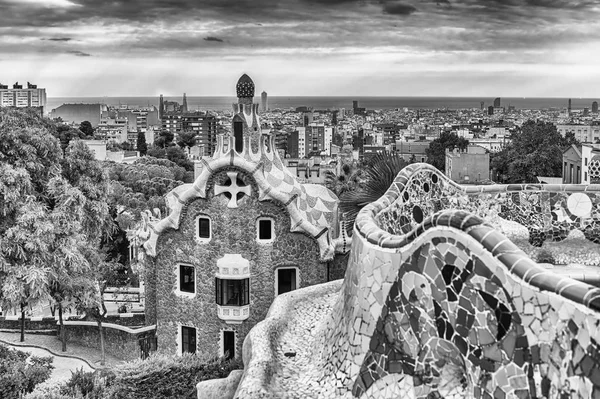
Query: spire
[[184, 107]]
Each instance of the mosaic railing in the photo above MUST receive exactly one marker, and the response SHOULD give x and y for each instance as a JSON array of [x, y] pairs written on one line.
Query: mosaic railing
[[549, 211], [442, 305]]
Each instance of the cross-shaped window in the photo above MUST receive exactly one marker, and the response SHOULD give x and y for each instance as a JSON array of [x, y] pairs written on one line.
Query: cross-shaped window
[[234, 189]]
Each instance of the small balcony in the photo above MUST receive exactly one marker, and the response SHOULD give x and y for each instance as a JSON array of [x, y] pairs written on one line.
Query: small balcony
[[233, 314]]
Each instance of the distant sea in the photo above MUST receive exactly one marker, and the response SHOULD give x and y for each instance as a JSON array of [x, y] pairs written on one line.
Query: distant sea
[[224, 103]]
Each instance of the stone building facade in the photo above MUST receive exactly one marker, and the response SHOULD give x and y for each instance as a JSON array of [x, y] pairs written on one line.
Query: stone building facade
[[244, 232]]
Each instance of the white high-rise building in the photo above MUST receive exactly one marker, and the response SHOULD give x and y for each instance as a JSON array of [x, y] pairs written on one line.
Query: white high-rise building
[[20, 97]]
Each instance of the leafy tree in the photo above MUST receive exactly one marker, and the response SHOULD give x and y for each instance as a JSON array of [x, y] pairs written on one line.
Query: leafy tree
[[536, 150], [436, 153], [378, 175], [174, 154], [65, 134], [126, 146], [141, 145], [164, 139], [187, 139], [55, 211], [87, 128]]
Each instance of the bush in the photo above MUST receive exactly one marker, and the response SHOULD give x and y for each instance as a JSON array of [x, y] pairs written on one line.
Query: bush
[[162, 376], [544, 256], [87, 384], [20, 373]]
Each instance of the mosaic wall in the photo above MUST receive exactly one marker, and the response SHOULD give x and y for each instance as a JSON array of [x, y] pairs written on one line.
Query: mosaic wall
[[550, 212], [441, 305]]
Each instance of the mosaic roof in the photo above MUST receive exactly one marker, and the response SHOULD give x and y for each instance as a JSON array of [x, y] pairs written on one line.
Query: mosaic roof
[[312, 208]]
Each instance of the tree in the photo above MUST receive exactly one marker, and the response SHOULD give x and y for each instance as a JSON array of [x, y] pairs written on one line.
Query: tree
[[65, 134], [348, 179], [174, 154], [126, 146], [187, 139], [141, 145], [164, 139], [536, 150], [55, 211], [436, 153], [378, 175], [87, 128]]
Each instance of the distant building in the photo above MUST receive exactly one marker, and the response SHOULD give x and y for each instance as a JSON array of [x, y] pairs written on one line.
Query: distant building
[[588, 133], [412, 150], [469, 166], [581, 164], [569, 108], [77, 113], [595, 107], [491, 110], [205, 125], [20, 97], [184, 106], [586, 111], [264, 106], [497, 102]]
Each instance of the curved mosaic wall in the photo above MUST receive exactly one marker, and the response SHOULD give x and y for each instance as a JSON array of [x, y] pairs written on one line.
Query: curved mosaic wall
[[447, 307], [549, 211]]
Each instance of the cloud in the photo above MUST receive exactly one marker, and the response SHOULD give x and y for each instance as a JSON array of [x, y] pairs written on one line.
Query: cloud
[[59, 39], [395, 8], [78, 53], [213, 39]]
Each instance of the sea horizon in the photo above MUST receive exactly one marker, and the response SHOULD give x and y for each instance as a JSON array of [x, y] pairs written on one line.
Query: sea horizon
[[335, 102]]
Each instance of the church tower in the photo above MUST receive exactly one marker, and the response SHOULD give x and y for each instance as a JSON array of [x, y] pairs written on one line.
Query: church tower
[[245, 121]]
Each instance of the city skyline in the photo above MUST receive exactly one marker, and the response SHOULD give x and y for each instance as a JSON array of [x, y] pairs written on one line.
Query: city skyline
[[487, 48]]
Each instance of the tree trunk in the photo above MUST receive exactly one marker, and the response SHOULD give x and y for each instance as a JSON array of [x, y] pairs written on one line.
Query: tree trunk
[[52, 309], [63, 337], [22, 323], [103, 359]]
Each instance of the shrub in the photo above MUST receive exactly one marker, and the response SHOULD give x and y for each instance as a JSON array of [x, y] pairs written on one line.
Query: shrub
[[87, 384], [544, 256], [20, 373], [162, 376]]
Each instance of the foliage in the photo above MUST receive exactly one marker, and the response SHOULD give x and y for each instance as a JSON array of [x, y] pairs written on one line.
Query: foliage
[[535, 150], [56, 212], [187, 139], [140, 186], [162, 376], [174, 154], [164, 139], [86, 128], [545, 256], [378, 176], [141, 145], [85, 384], [436, 153], [20, 375], [65, 134], [348, 179]]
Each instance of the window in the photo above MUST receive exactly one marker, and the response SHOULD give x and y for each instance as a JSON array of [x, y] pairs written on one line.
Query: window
[[265, 230], [188, 339], [238, 133], [187, 279], [204, 228], [232, 292], [229, 344], [285, 280]]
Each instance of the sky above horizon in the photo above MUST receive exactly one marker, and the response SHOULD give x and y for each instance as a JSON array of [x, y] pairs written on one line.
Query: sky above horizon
[[509, 48]]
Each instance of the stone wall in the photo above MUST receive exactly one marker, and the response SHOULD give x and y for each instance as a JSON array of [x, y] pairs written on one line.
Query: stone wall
[[44, 324], [121, 344], [233, 232]]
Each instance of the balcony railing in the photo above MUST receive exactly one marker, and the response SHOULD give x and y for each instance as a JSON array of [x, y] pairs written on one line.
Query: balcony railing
[[233, 314]]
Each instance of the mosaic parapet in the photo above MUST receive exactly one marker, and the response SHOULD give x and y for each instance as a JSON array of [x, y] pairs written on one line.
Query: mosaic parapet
[[269, 343], [312, 208], [549, 211], [452, 308]]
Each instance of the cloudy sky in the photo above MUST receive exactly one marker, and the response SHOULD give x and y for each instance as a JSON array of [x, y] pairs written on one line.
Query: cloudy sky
[[303, 47]]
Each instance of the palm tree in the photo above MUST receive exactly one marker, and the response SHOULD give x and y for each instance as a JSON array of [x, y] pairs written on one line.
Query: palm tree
[[348, 179], [378, 175]]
